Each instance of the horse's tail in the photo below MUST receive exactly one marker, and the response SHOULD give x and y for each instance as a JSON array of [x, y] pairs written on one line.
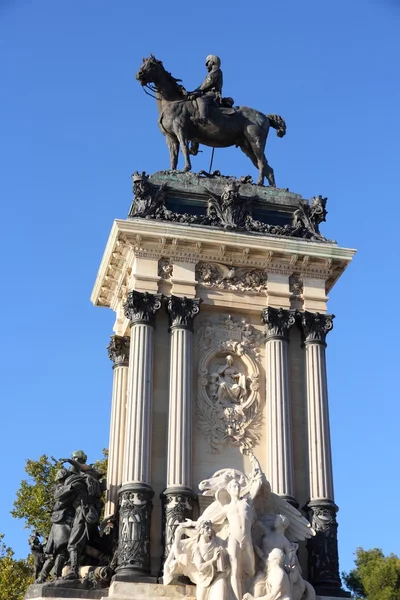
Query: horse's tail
[[277, 123]]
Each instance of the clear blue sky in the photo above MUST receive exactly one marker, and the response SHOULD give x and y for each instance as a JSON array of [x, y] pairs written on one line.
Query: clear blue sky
[[75, 124]]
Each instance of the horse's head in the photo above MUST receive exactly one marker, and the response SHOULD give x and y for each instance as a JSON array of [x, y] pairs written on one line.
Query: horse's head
[[149, 71]]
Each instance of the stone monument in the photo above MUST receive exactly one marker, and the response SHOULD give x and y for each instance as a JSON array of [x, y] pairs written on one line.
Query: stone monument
[[220, 482]]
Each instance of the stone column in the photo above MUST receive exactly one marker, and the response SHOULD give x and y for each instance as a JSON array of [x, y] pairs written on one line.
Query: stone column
[[178, 496], [322, 549], [135, 495], [118, 352], [279, 427]]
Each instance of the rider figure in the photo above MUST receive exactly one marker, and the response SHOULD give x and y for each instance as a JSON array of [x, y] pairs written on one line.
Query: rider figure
[[209, 91]]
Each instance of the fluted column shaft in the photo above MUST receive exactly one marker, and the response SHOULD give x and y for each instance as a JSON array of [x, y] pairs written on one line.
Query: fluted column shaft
[[280, 453], [320, 456], [178, 496], [118, 352], [179, 453], [323, 558], [135, 496], [138, 416]]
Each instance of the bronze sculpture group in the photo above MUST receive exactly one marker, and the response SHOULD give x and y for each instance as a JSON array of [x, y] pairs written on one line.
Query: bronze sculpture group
[[75, 519], [205, 117]]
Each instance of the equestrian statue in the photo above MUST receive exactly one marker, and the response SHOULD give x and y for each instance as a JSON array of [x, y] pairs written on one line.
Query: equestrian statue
[[205, 117]]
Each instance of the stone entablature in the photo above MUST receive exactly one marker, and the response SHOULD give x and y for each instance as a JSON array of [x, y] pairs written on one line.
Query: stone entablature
[[138, 251]]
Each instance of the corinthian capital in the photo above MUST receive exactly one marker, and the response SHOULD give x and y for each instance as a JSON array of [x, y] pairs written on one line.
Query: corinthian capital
[[182, 311], [278, 321], [315, 326], [142, 307], [118, 350]]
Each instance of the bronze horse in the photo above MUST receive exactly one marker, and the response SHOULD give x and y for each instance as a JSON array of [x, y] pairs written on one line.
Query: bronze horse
[[242, 127]]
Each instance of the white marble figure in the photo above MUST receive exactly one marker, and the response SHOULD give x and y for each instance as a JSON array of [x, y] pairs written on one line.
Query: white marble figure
[[245, 517], [274, 537], [232, 383], [203, 558], [234, 511], [277, 583], [301, 589]]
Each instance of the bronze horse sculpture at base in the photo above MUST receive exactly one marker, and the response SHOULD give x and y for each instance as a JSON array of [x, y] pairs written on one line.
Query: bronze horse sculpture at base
[[242, 127]]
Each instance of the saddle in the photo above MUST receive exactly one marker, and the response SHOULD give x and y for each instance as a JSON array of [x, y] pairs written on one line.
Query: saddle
[[225, 107]]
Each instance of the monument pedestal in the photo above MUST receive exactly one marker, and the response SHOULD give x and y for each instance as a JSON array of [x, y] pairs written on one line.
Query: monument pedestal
[[248, 374]]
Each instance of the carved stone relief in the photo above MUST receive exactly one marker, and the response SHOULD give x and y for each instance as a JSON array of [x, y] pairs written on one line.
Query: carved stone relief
[[296, 286], [223, 277], [134, 529], [165, 269], [228, 402]]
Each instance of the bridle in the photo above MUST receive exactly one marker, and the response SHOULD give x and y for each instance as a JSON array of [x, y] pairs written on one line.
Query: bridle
[[152, 88]]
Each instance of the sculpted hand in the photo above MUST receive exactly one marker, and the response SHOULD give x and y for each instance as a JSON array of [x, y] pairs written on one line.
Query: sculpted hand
[[217, 552]]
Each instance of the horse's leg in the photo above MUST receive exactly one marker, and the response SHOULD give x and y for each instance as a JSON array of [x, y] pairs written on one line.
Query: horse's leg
[[268, 170], [246, 148], [184, 142], [256, 140], [269, 174], [173, 146]]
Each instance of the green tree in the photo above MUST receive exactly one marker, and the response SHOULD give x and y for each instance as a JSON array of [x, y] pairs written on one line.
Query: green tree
[[375, 576], [35, 495], [15, 575]]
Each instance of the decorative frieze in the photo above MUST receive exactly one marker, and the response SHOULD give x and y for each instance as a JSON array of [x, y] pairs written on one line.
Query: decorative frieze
[[278, 321], [229, 208], [118, 350], [141, 307], [182, 311], [228, 277], [323, 557], [135, 506], [315, 326]]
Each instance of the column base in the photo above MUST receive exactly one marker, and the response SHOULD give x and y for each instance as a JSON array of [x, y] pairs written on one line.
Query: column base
[[329, 593], [323, 557], [135, 506], [177, 506]]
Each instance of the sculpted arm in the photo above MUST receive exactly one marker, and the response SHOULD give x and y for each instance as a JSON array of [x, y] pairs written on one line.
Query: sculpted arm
[[256, 477], [206, 86]]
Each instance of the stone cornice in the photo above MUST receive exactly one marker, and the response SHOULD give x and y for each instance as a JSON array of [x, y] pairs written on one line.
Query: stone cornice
[[118, 350], [152, 239], [142, 307], [182, 311], [277, 322]]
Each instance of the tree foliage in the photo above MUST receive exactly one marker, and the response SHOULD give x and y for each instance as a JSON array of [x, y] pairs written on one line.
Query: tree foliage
[[375, 576], [15, 575], [35, 495]]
